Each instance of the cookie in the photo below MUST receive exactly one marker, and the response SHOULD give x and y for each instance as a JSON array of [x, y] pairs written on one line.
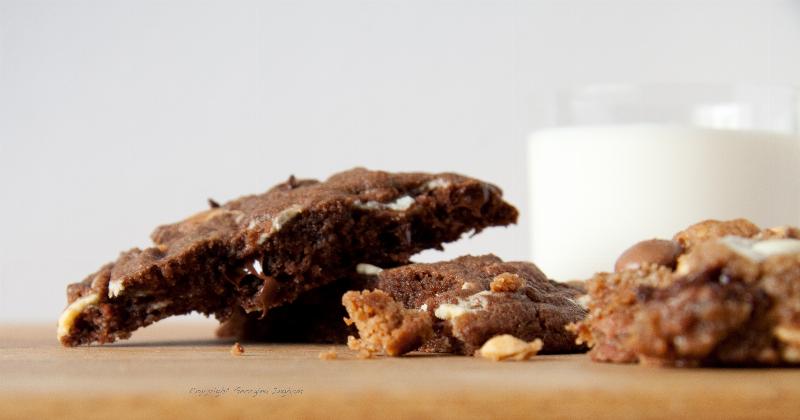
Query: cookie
[[263, 251], [729, 301], [472, 299]]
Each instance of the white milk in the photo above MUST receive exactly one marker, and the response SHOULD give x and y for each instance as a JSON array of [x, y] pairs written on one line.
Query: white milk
[[594, 191]]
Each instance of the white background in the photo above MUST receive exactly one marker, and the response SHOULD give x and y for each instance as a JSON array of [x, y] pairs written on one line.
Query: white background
[[117, 116]]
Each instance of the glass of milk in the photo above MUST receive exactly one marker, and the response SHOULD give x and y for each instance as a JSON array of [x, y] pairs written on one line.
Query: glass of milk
[[624, 163]]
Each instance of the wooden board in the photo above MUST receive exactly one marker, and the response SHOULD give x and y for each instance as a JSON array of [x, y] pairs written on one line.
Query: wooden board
[[180, 370]]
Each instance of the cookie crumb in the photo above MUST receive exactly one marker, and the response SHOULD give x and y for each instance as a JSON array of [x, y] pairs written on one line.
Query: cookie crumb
[[506, 282], [237, 349], [508, 347], [330, 354]]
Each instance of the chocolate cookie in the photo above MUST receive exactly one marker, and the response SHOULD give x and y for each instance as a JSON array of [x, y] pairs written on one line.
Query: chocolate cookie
[[263, 251], [730, 300], [472, 299]]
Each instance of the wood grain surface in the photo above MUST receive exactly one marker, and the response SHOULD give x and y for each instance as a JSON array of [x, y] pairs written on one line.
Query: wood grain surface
[[180, 370]]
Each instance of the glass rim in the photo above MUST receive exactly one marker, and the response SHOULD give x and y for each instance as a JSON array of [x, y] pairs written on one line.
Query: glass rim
[[755, 106]]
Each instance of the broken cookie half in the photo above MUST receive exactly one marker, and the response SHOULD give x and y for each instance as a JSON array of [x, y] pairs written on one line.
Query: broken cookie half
[[730, 297], [468, 300], [263, 251]]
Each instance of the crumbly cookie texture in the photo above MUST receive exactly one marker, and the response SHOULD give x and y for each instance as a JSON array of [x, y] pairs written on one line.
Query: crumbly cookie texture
[[508, 347], [612, 307], [260, 252], [732, 299], [474, 298], [384, 326]]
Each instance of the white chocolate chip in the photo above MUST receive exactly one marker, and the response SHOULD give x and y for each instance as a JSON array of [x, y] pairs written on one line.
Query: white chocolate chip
[[67, 318], [771, 247], [424, 307], [476, 302], [447, 311], [437, 183], [115, 287], [285, 216], [368, 269], [760, 250], [741, 246], [401, 204]]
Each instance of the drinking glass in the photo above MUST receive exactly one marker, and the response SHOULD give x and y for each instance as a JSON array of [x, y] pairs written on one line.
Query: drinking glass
[[622, 163]]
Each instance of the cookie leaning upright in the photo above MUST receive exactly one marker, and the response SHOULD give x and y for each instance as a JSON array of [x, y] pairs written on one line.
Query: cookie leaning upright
[[731, 296], [262, 251]]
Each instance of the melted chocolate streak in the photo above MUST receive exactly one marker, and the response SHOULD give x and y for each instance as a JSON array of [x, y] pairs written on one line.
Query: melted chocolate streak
[[268, 290]]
